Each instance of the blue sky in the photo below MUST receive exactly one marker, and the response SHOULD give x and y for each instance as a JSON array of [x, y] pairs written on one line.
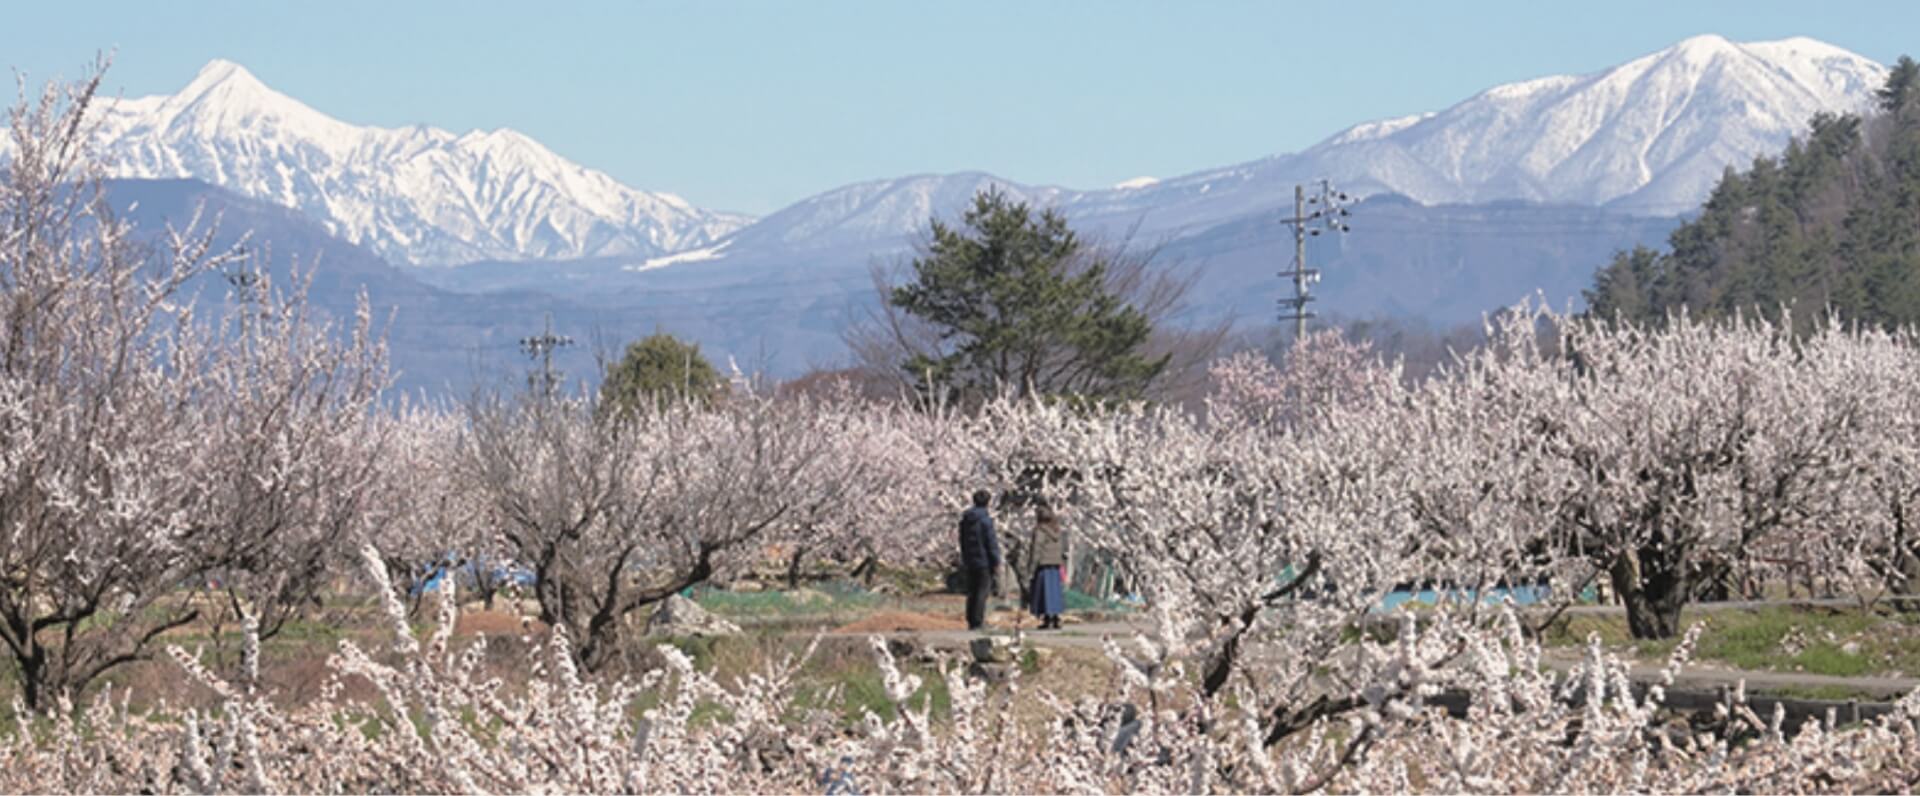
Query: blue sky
[[751, 105]]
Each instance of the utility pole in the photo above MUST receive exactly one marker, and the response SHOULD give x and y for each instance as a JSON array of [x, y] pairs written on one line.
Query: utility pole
[[1331, 215], [245, 282], [541, 347]]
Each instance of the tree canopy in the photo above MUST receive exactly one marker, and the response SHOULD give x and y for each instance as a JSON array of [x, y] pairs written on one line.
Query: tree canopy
[[1020, 303], [657, 369], [1832, 224]]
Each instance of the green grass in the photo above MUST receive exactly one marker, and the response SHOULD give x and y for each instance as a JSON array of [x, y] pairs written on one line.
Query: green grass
[[1838, 693], [848, 668], [933, 686], [1752, 640], [707, 712], [1080, 601], [305, 631], [862, 690]]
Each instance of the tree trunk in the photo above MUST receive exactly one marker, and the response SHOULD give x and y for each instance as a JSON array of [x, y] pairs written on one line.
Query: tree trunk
[[793, 568], [33, 679], [1903, 573], [1906, 576], [1719, 587], [1653, 586], [866, 570], [600, 644]]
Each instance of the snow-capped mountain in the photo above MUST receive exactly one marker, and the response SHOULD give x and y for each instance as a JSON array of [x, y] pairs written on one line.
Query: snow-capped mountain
[[1653, 134], [418, 195], [1650, 136], [878, 210]]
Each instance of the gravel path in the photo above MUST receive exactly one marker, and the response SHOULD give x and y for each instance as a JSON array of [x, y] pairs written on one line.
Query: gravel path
[[1697, 675], [1705, 675]]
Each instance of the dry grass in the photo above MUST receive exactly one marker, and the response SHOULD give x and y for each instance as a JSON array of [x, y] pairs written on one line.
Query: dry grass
[[495, 624], [294, 667], [900, 621]]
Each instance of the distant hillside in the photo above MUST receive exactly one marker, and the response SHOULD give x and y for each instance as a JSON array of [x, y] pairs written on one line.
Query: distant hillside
[[417, 195], [785, 313], [1647, 137], [1834, 222], [1445, 264], [441, 343]]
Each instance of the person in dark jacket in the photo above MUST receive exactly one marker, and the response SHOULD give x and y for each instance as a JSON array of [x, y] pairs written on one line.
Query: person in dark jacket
[[979, 557], [1048, 553]]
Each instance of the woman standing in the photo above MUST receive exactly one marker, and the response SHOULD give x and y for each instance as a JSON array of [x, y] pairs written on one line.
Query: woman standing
[[1049, 562]]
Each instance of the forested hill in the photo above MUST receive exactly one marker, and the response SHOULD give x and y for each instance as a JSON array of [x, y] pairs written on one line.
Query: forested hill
[[1833, 222]]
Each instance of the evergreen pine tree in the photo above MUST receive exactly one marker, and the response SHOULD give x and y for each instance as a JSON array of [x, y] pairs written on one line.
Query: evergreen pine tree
[[1830, 225], [1022, 305], [657, 370], [1899, 90]]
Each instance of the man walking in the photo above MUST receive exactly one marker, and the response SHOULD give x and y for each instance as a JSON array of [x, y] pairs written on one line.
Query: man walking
[[979, 557]]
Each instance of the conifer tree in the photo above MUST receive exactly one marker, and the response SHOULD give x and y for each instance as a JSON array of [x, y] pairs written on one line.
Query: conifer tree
[[1899, 90], [659, 369], [1828, 226], [1023, 305]]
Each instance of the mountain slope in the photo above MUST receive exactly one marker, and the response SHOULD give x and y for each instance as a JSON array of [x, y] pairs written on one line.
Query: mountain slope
[[416, 194], [878, 210], [1650, 136], [1828, 230], [784, 313], [440, 344]]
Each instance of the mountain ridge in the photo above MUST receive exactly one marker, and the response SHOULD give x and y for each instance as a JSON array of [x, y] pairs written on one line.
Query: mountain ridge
[[1647, 137], [415, 194]]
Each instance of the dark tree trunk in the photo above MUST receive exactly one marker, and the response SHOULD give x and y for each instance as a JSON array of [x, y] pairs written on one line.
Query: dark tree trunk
[[488, 583], [866, 570], [33, 679], [1719, 589], [1906, 577], [793, 568], [1653, 585], [601, 644], [1903, 575]]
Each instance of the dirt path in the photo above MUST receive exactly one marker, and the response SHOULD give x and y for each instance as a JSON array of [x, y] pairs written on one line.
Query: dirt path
[[1729, 605], [1085, 635], [1697, 675], [1700, 675]]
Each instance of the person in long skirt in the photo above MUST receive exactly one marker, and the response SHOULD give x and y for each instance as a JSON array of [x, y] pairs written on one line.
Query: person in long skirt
[[1047, 595]]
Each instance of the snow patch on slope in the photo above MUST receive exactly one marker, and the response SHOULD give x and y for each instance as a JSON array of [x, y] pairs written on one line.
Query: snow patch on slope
[[691, 256]]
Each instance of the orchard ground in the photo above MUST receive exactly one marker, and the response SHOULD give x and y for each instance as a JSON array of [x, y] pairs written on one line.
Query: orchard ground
[[1807, 649]]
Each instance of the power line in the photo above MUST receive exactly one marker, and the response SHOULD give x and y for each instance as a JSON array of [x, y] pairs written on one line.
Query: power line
[[541, 347], [1331, 215]]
